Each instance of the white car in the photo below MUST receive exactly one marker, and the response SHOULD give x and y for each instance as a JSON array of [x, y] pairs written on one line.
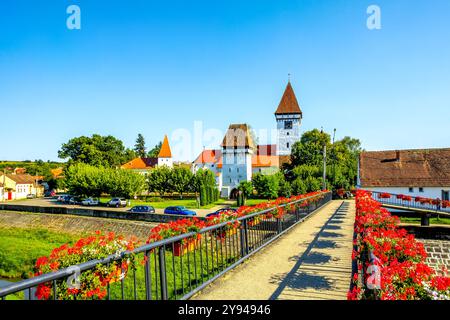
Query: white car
[[90, 202], [117, 202]]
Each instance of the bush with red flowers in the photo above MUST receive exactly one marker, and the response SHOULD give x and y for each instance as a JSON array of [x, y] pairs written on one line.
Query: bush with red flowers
[[384, 195], [91, 284], [400, 259]]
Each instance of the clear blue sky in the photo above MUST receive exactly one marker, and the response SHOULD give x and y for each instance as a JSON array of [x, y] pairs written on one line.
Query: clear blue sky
[[152, 67]]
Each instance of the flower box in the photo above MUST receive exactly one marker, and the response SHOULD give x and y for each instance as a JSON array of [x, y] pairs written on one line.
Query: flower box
[[180, 249]]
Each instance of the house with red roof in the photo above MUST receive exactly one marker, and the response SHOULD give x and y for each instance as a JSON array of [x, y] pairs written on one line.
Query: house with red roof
[[417, 172], [144, 165]]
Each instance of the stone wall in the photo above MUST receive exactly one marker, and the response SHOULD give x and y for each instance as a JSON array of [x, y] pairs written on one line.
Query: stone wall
[[98, 213], [74, 224], [438, 253]]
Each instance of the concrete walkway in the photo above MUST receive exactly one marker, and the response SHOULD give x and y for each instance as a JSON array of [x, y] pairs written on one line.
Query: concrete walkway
[[312, 261]]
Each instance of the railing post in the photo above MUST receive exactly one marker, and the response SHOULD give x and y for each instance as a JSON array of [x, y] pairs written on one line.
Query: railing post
[[279, 226], [425, 220], [244, 238], [297, 214], [162, 272]]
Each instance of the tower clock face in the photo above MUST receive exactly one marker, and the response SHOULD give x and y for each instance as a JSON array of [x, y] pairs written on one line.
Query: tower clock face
[[288, 125]]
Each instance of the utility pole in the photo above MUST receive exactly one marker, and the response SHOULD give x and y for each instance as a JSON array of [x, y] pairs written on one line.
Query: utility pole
[[324, 187], [334, 159]]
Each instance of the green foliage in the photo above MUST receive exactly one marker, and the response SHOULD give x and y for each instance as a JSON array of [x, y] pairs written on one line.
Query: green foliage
[[153, 153], [246, 187], [85, 180], [306, 168], [97, 150], [180, 179], [266, 186], [158, 180], [139, 147]]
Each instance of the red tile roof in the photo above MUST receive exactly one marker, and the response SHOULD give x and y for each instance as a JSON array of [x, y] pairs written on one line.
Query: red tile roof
[[209, 156], [405, 168], [165, 149], [141, 163], [288, 103]]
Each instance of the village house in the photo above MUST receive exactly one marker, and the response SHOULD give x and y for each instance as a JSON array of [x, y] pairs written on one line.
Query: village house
[[19, 186], [239, 158], [420, 172], [144, 165]]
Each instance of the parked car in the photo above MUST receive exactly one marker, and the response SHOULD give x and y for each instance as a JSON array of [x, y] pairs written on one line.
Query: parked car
[[49, 193], [179, 210], [31, 196], [75, 200], [221, 211], [142, 209], [117, 202], [90, 202]]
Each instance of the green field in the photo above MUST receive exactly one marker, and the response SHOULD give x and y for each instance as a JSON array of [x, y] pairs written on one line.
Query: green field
[[432, 220], [19, 249]]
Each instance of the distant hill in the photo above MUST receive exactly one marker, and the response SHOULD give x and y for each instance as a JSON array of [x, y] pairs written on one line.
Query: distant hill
[[37, 167]]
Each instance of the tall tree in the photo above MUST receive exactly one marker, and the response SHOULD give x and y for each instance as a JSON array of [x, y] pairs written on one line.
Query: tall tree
[[153, 153], [306, 167], [139, 147]]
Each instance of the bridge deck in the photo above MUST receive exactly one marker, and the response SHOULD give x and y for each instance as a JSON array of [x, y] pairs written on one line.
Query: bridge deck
[[312, 261]]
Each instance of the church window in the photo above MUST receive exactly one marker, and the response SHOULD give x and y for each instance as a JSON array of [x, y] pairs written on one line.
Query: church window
[[287, 133], [287, 125], [287, 145]]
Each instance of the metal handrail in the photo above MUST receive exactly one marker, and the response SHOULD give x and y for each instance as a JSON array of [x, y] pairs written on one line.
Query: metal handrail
[[411, 204], [69, 271]]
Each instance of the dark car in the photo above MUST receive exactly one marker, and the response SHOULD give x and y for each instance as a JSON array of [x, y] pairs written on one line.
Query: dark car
[[49, 193], [221, 211], [142, 209], [75, 200], [180, 211]]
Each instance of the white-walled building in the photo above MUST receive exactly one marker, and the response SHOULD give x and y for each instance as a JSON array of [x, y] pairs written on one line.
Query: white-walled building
[[239, 158], [420, 172]]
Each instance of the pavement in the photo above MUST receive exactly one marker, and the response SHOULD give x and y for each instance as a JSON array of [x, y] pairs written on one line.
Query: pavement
[[311, 261]]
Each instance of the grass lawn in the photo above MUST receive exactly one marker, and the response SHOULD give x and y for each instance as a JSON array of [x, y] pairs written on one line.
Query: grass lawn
[[19, 249], [432, 220]]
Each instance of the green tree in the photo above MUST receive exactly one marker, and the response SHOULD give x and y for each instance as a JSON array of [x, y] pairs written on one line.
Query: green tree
[[246, 187], [159, 180], [139, 147], [266, 186], [181, 178], [153, 153], [97, 150]]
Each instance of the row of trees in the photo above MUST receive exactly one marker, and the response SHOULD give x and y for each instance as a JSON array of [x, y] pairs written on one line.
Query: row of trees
[[181, 180], [86, 180]]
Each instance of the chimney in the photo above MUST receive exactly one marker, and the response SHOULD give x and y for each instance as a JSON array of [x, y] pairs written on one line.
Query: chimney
[[397, 155]]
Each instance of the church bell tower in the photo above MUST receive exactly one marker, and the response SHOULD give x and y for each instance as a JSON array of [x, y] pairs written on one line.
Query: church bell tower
[[288, 116]]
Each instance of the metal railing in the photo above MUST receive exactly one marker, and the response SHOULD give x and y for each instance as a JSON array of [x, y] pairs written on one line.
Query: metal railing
[[173, 270], [412, 204]]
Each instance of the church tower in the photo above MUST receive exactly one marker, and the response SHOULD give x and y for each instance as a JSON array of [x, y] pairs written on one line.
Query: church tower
[[288, 117]]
